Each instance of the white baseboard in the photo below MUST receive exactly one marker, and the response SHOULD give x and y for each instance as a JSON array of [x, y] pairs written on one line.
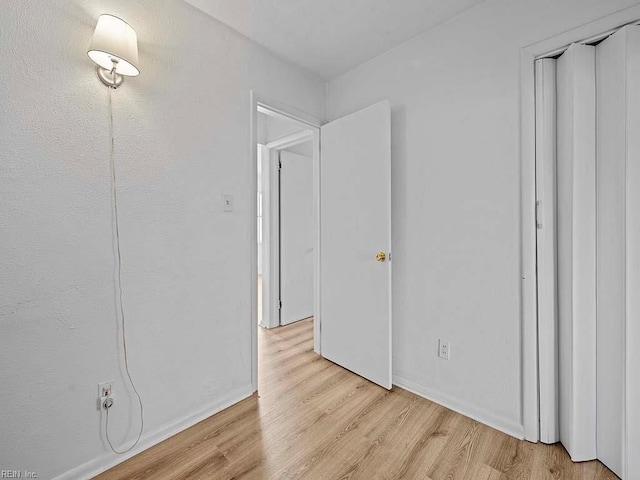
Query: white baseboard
[[505, 425], [108, 460]]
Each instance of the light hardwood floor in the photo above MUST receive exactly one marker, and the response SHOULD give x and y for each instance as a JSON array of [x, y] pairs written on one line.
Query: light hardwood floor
[[315, 420]]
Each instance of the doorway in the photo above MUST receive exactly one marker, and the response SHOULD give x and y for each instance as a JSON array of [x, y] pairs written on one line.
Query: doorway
[[351, 254], [285, 221], [296, 127]]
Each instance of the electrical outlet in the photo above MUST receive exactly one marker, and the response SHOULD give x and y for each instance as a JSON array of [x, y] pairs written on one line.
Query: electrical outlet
[[105, 389], [227, 202], [444, 349]]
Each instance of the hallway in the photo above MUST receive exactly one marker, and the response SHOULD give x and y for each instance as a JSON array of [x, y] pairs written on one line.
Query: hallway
[[315, 420]]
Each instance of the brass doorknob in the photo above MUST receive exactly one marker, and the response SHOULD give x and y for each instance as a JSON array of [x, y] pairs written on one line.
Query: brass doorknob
[[381, 256]]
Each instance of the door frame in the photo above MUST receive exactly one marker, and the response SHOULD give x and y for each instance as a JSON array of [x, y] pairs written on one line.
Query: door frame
[[271, 217], [532, 350], [264, 104]]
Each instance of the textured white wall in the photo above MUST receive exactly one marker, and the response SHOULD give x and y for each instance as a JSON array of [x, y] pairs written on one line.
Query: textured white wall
[[454, 93], [182, 139]]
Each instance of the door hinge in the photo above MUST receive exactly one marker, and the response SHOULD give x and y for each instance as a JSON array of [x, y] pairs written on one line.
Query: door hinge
[[279, 164], [538, 215], [280, 304]]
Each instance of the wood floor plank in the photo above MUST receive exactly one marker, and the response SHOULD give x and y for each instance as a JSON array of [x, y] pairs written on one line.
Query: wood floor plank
[[314, 420]]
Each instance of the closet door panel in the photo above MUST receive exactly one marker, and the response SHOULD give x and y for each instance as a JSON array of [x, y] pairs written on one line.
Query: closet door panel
[[617, 69], [547, 247], [576, 196], [633, 255]]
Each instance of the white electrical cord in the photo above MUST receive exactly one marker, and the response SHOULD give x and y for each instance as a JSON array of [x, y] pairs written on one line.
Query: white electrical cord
[[119, 271]]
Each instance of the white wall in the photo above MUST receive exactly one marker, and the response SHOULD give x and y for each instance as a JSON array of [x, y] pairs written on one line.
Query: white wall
[[182, 139], [272, 128], [454, 92]]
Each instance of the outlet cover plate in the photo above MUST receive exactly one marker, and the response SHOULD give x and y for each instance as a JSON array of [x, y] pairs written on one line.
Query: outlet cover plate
[[227, 202], [444, 349], [105, 389]]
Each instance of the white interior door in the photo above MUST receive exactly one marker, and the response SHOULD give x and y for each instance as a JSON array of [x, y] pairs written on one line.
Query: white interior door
[[296, 237], [355, 220]]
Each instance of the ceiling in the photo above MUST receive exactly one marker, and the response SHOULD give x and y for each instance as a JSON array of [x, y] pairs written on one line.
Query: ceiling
[[330, 37]]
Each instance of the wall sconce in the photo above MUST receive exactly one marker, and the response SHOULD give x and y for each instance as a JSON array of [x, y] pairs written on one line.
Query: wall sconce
[[114, 47]]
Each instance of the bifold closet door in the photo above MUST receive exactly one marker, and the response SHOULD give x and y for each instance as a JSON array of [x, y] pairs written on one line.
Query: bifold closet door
[[547, 247], [633, 256], [576, 236], [597, 153], [618, 286]]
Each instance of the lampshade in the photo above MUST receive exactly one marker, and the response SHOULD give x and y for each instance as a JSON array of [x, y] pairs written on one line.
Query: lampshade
[[114, 39]]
